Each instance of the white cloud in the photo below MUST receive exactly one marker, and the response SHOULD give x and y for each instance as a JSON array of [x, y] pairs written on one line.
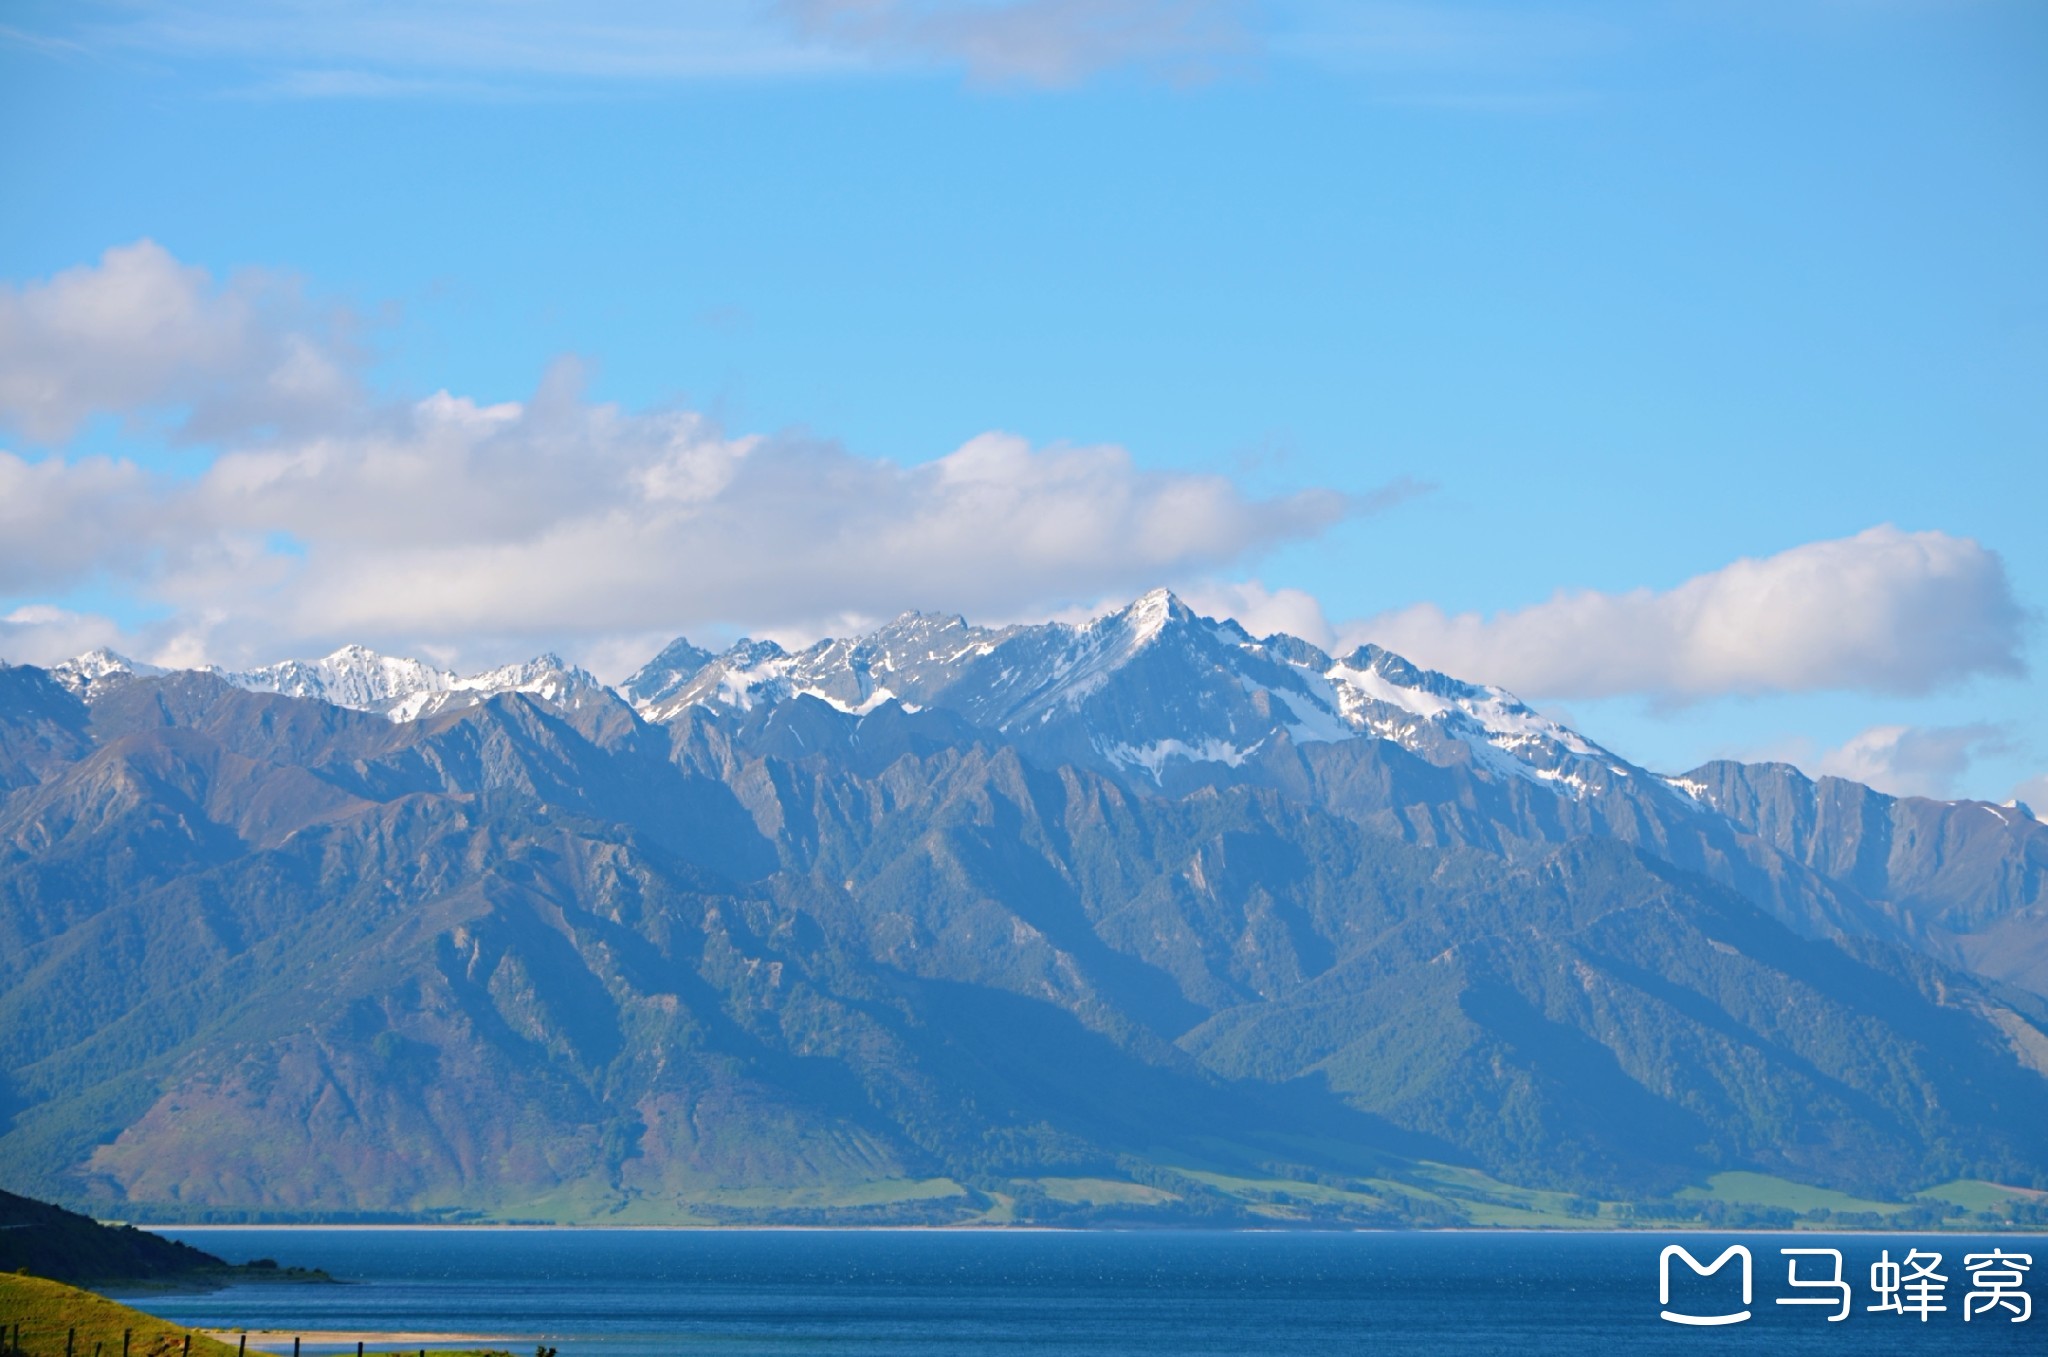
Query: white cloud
[[60, 522], [1036, 42], [2033, 794], [559, 517], [379, 47], [1262, 611], [1913, 760], [1455, 54], [1884, 611], [553, 521], [140, 333], [40, 634], [486, 48]]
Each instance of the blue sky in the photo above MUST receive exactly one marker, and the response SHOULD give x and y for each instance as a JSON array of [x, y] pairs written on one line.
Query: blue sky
[[1506, 335]]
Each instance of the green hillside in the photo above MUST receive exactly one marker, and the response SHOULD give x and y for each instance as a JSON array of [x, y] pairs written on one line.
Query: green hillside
[[44, 1318], [48, 1312], [51, 1242]]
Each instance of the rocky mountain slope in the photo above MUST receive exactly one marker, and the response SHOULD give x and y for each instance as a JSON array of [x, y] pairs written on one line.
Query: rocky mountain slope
[[949, 910]]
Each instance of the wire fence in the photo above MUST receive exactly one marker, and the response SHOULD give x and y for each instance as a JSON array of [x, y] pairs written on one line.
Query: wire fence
[[28, 1340]]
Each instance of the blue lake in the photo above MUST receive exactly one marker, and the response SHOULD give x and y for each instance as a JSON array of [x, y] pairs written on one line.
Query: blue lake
[[637, 1293]]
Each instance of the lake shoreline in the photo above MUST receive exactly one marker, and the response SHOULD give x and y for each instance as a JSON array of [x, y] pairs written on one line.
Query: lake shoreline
[[1560, 1231], [329, 1337]]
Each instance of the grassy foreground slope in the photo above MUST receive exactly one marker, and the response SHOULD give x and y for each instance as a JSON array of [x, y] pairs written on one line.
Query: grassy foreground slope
[[48, 1311], [40, 1317]]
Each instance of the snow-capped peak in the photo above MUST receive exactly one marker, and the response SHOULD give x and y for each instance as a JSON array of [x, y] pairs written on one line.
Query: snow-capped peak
[[89, 674], [1148, 686], [353, 676], [665, 674], [547, 677], [358, 678], [1148, 616], [752, 673]]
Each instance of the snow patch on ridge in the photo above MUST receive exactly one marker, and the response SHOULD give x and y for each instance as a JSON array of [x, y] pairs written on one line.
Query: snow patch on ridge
[[1322, 722], [1690, 788], [1370, 683], [868, 704], [2007, 811], [1374, 692], [1152, 757]]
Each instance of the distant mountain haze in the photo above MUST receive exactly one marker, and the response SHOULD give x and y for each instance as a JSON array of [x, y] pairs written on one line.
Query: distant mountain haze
[[959, 909]]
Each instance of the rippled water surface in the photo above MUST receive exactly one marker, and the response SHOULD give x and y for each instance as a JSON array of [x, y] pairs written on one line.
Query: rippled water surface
[[637, 1293]]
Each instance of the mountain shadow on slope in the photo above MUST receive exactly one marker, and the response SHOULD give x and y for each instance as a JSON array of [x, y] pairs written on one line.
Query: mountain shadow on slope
[[263, 956]]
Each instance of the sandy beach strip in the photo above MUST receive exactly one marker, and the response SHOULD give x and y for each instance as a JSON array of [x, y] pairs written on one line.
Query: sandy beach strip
[[269, 1339]]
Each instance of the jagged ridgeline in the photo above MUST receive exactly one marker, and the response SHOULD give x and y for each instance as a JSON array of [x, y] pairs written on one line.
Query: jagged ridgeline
[[1146, 915]]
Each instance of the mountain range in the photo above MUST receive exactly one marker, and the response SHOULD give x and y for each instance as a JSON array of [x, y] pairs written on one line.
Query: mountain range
[[949, 922]]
